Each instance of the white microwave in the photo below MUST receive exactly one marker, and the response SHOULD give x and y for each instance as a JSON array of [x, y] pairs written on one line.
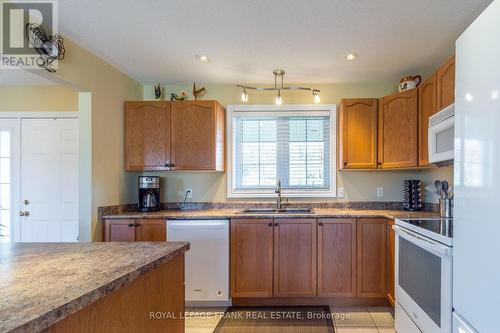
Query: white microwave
[[442, 135]]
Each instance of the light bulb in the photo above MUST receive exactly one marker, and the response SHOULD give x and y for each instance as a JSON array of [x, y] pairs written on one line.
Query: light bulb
[[351, 56], [279, 100], [244, 96], [317, 99]]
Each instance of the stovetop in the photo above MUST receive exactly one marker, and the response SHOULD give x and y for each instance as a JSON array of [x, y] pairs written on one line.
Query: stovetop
[[439, 229]]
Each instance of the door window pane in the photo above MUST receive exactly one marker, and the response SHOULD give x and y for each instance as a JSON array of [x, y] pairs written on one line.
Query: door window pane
[[5, 185]]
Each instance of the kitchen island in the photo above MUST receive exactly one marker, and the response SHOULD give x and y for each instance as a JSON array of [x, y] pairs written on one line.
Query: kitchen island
[[92, 287]]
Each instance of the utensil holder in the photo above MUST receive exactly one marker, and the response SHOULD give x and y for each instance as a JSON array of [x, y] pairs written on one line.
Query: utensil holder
[[446, 207]]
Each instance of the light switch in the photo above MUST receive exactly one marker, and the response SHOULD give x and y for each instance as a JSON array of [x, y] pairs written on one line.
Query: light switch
[[380, 192], [340, 192]]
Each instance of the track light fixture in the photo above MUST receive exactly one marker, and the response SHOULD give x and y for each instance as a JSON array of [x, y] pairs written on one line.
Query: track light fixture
[[278, 87]]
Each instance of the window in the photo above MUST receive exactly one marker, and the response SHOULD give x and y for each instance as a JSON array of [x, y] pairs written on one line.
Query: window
[[288, 143]]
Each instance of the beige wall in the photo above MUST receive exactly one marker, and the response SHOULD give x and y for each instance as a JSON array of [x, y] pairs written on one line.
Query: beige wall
[[358, 185], [103, 89], [38, 98]]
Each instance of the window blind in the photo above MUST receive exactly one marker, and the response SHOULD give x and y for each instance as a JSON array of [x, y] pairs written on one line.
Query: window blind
[[293, 149]]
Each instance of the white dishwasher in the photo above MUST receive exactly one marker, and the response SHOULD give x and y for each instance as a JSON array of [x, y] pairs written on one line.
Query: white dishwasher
[[207, 261]]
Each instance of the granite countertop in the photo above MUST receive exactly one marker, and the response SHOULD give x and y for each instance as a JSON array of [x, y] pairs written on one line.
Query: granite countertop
[[42, 283], [227, 213]]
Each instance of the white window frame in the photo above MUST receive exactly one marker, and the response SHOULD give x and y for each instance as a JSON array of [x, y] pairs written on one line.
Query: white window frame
[[299, 110]]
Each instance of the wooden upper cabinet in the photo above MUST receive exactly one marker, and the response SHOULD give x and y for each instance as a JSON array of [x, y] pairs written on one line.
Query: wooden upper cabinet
[[295, 259], [445, 79], [336, 257], [372, 258], [147, 137], [427, 95], [251, 258], [119, 230], [197, 135], [391, 260], [398, 130], [150, 230], [358, 133]]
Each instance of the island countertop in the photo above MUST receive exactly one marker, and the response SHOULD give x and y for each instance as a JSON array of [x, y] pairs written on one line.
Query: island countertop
[[42, 283]]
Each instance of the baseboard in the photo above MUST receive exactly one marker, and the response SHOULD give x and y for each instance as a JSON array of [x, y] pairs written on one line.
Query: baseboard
[[333, 302]]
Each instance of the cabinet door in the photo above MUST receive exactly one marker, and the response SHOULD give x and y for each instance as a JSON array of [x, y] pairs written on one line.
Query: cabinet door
[[197, 135], [295, 258], [151, 230], [445, 78], [358, 133], [372, 258], [427, 94], [251, 258], [397, 135], [147, 136], [391, 259], [119, 230], [337, 257]]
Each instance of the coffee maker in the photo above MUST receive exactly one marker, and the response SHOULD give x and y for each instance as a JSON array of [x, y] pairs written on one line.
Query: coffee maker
[[149, 193]]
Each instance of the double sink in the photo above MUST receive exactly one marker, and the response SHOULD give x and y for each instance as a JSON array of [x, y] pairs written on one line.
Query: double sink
[[277, 211]]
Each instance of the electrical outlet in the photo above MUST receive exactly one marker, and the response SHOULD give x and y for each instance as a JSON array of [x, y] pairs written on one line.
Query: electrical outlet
[[380, 192], [340, 192], [189, 193]]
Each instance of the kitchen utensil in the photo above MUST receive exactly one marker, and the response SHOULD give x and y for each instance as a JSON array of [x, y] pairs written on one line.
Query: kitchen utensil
[[439, 188], [446, 207], [445, 186]]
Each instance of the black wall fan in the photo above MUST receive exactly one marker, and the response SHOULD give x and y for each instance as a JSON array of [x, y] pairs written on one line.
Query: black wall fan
[[50, 48]]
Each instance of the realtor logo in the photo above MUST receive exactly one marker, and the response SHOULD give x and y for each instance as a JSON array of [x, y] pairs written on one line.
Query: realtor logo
[[19, 47]]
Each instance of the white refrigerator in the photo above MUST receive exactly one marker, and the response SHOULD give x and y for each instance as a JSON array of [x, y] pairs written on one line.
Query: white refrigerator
[[476, 239]]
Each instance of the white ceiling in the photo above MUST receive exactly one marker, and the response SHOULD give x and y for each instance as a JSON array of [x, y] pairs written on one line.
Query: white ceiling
[[19, 77], [154, 40]]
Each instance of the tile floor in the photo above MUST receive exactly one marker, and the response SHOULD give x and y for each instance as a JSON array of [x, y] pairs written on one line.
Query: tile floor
[[346, 320]]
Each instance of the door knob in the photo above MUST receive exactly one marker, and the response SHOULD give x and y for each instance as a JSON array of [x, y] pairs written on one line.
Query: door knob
[[25, 213]]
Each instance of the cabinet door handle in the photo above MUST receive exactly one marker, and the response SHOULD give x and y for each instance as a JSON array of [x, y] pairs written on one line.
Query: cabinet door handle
[[276, 224], [172, 165], [168, 165], [130, 224], [270, 224], [320, 224], [136, 225]]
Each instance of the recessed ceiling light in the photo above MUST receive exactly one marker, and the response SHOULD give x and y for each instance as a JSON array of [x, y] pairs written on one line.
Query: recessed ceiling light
[[201, 57], [351, 56]]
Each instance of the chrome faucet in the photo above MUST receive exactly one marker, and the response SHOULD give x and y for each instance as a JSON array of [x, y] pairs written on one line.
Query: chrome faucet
[[278, 191]]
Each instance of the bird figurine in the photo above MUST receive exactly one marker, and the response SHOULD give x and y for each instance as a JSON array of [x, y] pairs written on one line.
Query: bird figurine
[[157, 91], [198, 92], [178, 97]]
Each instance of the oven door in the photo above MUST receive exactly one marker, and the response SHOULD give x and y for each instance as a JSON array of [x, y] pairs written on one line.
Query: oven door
[[441, 140], [423, 281]]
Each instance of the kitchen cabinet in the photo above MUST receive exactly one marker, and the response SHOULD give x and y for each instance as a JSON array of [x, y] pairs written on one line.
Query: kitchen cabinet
[[174, 136], [371, 258], [398, 130], [147, 136], [295, 257], [336, 257], [150, 230], [358, 133], [197, 141], [135, 230], [427, 106], [251, 258], [445, 81], [391, 259]]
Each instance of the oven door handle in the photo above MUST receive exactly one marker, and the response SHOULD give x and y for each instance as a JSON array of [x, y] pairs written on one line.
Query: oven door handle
[[422, 242]]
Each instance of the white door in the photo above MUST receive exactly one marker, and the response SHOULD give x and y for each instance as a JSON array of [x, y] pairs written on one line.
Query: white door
[[9, 176], [49, 180]]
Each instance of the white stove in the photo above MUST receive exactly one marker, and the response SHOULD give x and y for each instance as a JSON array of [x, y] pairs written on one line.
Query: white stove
[[424, 275]]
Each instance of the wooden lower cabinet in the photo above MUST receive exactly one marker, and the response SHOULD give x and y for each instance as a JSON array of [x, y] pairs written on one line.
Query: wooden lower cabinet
[[372, 258], [336, 257], [119, 230], [251, 258], [150, 230], [391, 260], [135, 230], [295, 258]]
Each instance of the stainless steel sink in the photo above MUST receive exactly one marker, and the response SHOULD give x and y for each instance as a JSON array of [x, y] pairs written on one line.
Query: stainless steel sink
[[277, 211]]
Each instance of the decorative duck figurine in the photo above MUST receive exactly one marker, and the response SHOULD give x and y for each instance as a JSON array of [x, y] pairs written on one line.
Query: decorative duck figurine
[[178, 97]]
